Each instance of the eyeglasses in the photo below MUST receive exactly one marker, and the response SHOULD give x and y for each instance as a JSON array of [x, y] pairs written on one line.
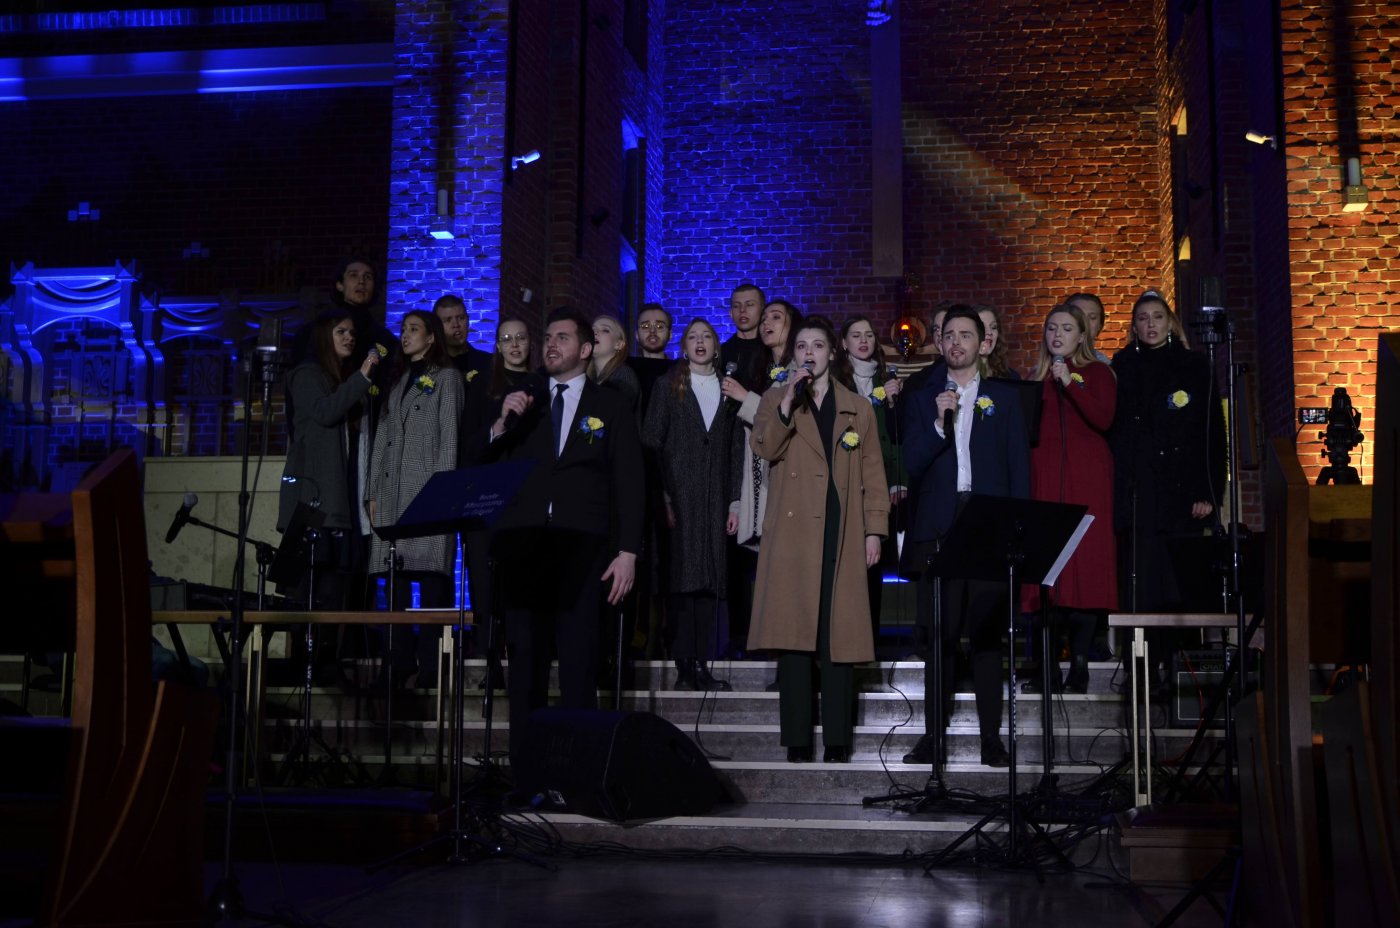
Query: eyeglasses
[[653, 326], [507, 339]]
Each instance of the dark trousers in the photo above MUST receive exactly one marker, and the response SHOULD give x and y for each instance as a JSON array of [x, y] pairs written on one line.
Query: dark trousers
[[837, 683], [550, 587], [742, 565], [692, 617], [978, 610]]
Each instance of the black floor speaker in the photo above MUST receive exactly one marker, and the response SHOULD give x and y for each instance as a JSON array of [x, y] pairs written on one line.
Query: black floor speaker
[[615, 765]]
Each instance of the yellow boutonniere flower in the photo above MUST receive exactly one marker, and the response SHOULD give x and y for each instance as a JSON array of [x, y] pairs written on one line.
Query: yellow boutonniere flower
[[777, 374], [878, 396], [1077, 378], [591, 428], [373, 390], [471, 375], [1179, 399], [382, 351], [850, 439], [985, 406], [426, 384]]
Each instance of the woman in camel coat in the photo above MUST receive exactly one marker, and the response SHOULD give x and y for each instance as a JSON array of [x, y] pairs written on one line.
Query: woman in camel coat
[[828, 509]]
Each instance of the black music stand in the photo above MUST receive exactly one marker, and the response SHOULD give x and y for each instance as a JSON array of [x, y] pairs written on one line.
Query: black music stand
[[997, 538], [451, 502]]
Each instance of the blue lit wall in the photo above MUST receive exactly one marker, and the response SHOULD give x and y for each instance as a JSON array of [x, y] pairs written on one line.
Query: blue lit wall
[[767, 175], [448, 132]]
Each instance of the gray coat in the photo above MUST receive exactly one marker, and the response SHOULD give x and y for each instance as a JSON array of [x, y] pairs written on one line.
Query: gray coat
[[416, 438], [699, 470], [317, 469]]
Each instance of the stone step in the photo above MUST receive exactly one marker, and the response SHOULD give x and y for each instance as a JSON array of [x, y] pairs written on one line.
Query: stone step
[[684, 708], [746, 743]]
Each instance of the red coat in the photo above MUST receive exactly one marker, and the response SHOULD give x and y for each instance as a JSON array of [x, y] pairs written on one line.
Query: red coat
[[1073, 464]]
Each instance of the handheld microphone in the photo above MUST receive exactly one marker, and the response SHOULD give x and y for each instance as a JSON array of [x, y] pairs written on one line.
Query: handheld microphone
[[181, 517], [530, 385], [802, 384], [1057, 359], [731, 368], [948, 413]]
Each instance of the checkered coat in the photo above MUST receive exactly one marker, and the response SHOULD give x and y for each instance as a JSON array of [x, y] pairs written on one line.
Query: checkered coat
[[416, 438]]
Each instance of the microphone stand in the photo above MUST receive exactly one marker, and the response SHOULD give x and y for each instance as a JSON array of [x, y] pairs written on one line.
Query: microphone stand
[[226, 901]]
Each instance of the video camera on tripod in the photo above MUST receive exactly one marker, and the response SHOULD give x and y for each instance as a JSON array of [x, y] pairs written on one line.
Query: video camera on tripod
[[1343, 434]]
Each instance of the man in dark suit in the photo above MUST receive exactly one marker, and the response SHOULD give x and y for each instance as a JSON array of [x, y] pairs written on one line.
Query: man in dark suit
[[573, 531], [966, 436]]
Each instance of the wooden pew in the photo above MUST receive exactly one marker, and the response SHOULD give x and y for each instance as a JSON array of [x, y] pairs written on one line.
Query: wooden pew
[[129, 846]]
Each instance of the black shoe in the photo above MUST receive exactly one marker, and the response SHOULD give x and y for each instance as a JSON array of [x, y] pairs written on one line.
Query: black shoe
[[704, 681], [800, 755], [685, 676], [1078, 679], [994, 753], [925, 752], [1032, 684], [772, 687], [837, 754]]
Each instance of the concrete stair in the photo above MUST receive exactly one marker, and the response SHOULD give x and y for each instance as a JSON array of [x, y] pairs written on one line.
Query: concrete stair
[[777, 807]]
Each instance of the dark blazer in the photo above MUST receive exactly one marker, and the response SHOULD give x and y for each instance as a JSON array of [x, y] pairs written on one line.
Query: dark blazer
[[1000, 458], [595, 487]]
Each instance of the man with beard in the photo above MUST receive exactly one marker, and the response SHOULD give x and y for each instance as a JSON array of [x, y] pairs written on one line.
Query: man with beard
[[966, 436], [572, 533]]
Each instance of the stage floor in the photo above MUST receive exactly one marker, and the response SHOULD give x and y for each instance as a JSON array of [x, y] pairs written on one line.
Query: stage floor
[[693, 893]]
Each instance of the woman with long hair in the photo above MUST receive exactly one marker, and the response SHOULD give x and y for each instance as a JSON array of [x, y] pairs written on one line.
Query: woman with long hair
[[870, 377], [416, 438], [325, 396], [692, 430], [510, 370], [1168, 451], [829, 509], [608, 367], [994, 350], [1072, 463], [775, 330]]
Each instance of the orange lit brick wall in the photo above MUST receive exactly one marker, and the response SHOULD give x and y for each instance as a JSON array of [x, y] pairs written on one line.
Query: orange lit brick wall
[[1340, 94]]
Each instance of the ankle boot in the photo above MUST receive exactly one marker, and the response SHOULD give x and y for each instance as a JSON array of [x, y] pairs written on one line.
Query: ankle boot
[[704, 681], [685, 675], [1078, 679]]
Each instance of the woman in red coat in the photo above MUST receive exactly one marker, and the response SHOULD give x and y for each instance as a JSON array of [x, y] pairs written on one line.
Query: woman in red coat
[[1073, 464]]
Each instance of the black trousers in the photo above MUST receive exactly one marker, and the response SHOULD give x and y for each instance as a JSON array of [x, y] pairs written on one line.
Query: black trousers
[[550, 586], [692, 619], [978, 610]]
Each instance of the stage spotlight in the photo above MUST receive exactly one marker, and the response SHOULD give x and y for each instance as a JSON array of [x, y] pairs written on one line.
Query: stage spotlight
[[530, 157], [1259, 138]]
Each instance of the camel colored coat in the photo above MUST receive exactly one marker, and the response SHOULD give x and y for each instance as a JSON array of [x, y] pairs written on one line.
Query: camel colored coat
[[787, 595]]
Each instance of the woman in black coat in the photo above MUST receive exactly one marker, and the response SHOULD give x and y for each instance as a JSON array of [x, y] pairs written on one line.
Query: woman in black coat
[[1168, 443], [324, 396], [692, 429]]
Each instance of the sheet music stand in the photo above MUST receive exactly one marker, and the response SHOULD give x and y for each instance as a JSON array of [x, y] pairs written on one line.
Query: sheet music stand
[[996, 539], [452, 502]]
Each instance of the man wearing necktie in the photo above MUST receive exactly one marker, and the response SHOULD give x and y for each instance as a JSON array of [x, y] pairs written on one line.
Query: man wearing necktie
[[571, 535]]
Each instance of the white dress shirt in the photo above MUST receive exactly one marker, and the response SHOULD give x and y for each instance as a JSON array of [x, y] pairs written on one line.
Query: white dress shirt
[[573, 392], [962, 431]]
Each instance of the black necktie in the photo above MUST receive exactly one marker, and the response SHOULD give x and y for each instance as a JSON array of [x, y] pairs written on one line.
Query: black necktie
[[556, 412]]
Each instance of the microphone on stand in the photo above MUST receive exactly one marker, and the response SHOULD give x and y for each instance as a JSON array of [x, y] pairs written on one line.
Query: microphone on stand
[[182, 517]]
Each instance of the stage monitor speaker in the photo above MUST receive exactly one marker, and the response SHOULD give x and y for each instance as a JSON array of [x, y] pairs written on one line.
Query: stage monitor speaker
[[615, 765], [1196, 675]]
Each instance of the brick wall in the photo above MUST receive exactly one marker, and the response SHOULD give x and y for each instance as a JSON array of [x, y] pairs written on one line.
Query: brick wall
[[447, 131], [1340, 101], [275, 185], [1033, 165]]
